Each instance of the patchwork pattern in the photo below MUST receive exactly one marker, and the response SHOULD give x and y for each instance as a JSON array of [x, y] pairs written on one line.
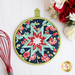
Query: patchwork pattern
[[36, 41]]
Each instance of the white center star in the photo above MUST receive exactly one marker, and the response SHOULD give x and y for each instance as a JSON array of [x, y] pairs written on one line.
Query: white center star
[[37, 40]]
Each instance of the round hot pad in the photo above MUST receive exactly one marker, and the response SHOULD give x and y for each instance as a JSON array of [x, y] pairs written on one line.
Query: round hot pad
[[36, 40]]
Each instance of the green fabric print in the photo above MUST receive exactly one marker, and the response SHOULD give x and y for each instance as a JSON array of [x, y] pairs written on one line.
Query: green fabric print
[[27, 33], [44, 22], [22, 51], [32, 24], [27, 26], [18, 37], [49, 24]]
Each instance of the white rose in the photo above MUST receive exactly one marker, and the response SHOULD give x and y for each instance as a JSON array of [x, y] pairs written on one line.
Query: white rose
[[72, 16], [70, 33]]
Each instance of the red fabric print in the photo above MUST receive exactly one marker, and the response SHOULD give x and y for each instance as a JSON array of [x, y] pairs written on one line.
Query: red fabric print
[[19, 33], [47, 32], [32, 20], [51, 55], [45, 58], [52, 42], [54, 50], [35, 28], [62, 16], [27, 22], [60, 10], [21, 28], [36, 36], [26, 54], [58, 38], [52, 28], [33, 57], [22, 42], [54, 34], [37, 62]]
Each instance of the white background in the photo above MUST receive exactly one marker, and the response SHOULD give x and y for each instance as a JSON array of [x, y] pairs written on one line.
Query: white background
[[12, 13]]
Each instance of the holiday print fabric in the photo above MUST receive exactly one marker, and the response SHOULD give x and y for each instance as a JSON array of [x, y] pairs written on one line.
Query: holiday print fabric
[[37, 41]]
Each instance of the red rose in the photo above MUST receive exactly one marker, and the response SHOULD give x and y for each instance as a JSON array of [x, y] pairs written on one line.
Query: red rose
[[71, 1], [68, 7], [72, 7], [26, 54], [64, 12], [63, 16], [62, 9]]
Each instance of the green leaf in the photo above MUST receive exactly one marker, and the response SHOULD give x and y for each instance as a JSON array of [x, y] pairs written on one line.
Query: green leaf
[[49, 8], [73, 22], [69, 23]]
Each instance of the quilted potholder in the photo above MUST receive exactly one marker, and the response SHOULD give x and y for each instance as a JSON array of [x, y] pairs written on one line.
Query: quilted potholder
[[36, 40]]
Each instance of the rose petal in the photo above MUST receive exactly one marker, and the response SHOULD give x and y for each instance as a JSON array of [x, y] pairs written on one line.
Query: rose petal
[[71, 1], [59, 10], [62, 18]]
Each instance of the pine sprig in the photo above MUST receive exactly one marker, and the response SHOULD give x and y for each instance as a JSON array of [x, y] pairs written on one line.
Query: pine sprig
[[49, 8]]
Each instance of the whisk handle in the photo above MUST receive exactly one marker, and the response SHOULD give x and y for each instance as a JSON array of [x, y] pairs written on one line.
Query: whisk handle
[[10, 70], [11, 73]]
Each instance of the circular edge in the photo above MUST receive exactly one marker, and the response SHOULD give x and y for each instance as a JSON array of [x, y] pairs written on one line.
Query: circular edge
[[69, 64], [21, 25]]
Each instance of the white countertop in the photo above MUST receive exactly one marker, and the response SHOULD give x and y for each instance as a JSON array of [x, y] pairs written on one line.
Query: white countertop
[[12, 13]]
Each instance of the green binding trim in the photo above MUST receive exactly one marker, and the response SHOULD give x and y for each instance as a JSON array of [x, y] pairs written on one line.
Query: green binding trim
[[37, 12], [20, 56], [36, 17]]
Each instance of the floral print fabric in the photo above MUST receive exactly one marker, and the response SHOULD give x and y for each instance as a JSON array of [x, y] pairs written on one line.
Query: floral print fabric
[[37, 41]]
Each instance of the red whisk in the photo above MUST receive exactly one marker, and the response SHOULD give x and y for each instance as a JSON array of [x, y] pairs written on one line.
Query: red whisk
[[5, 51]]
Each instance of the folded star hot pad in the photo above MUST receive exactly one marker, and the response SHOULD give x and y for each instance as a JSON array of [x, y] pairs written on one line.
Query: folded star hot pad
[[36, 40]]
